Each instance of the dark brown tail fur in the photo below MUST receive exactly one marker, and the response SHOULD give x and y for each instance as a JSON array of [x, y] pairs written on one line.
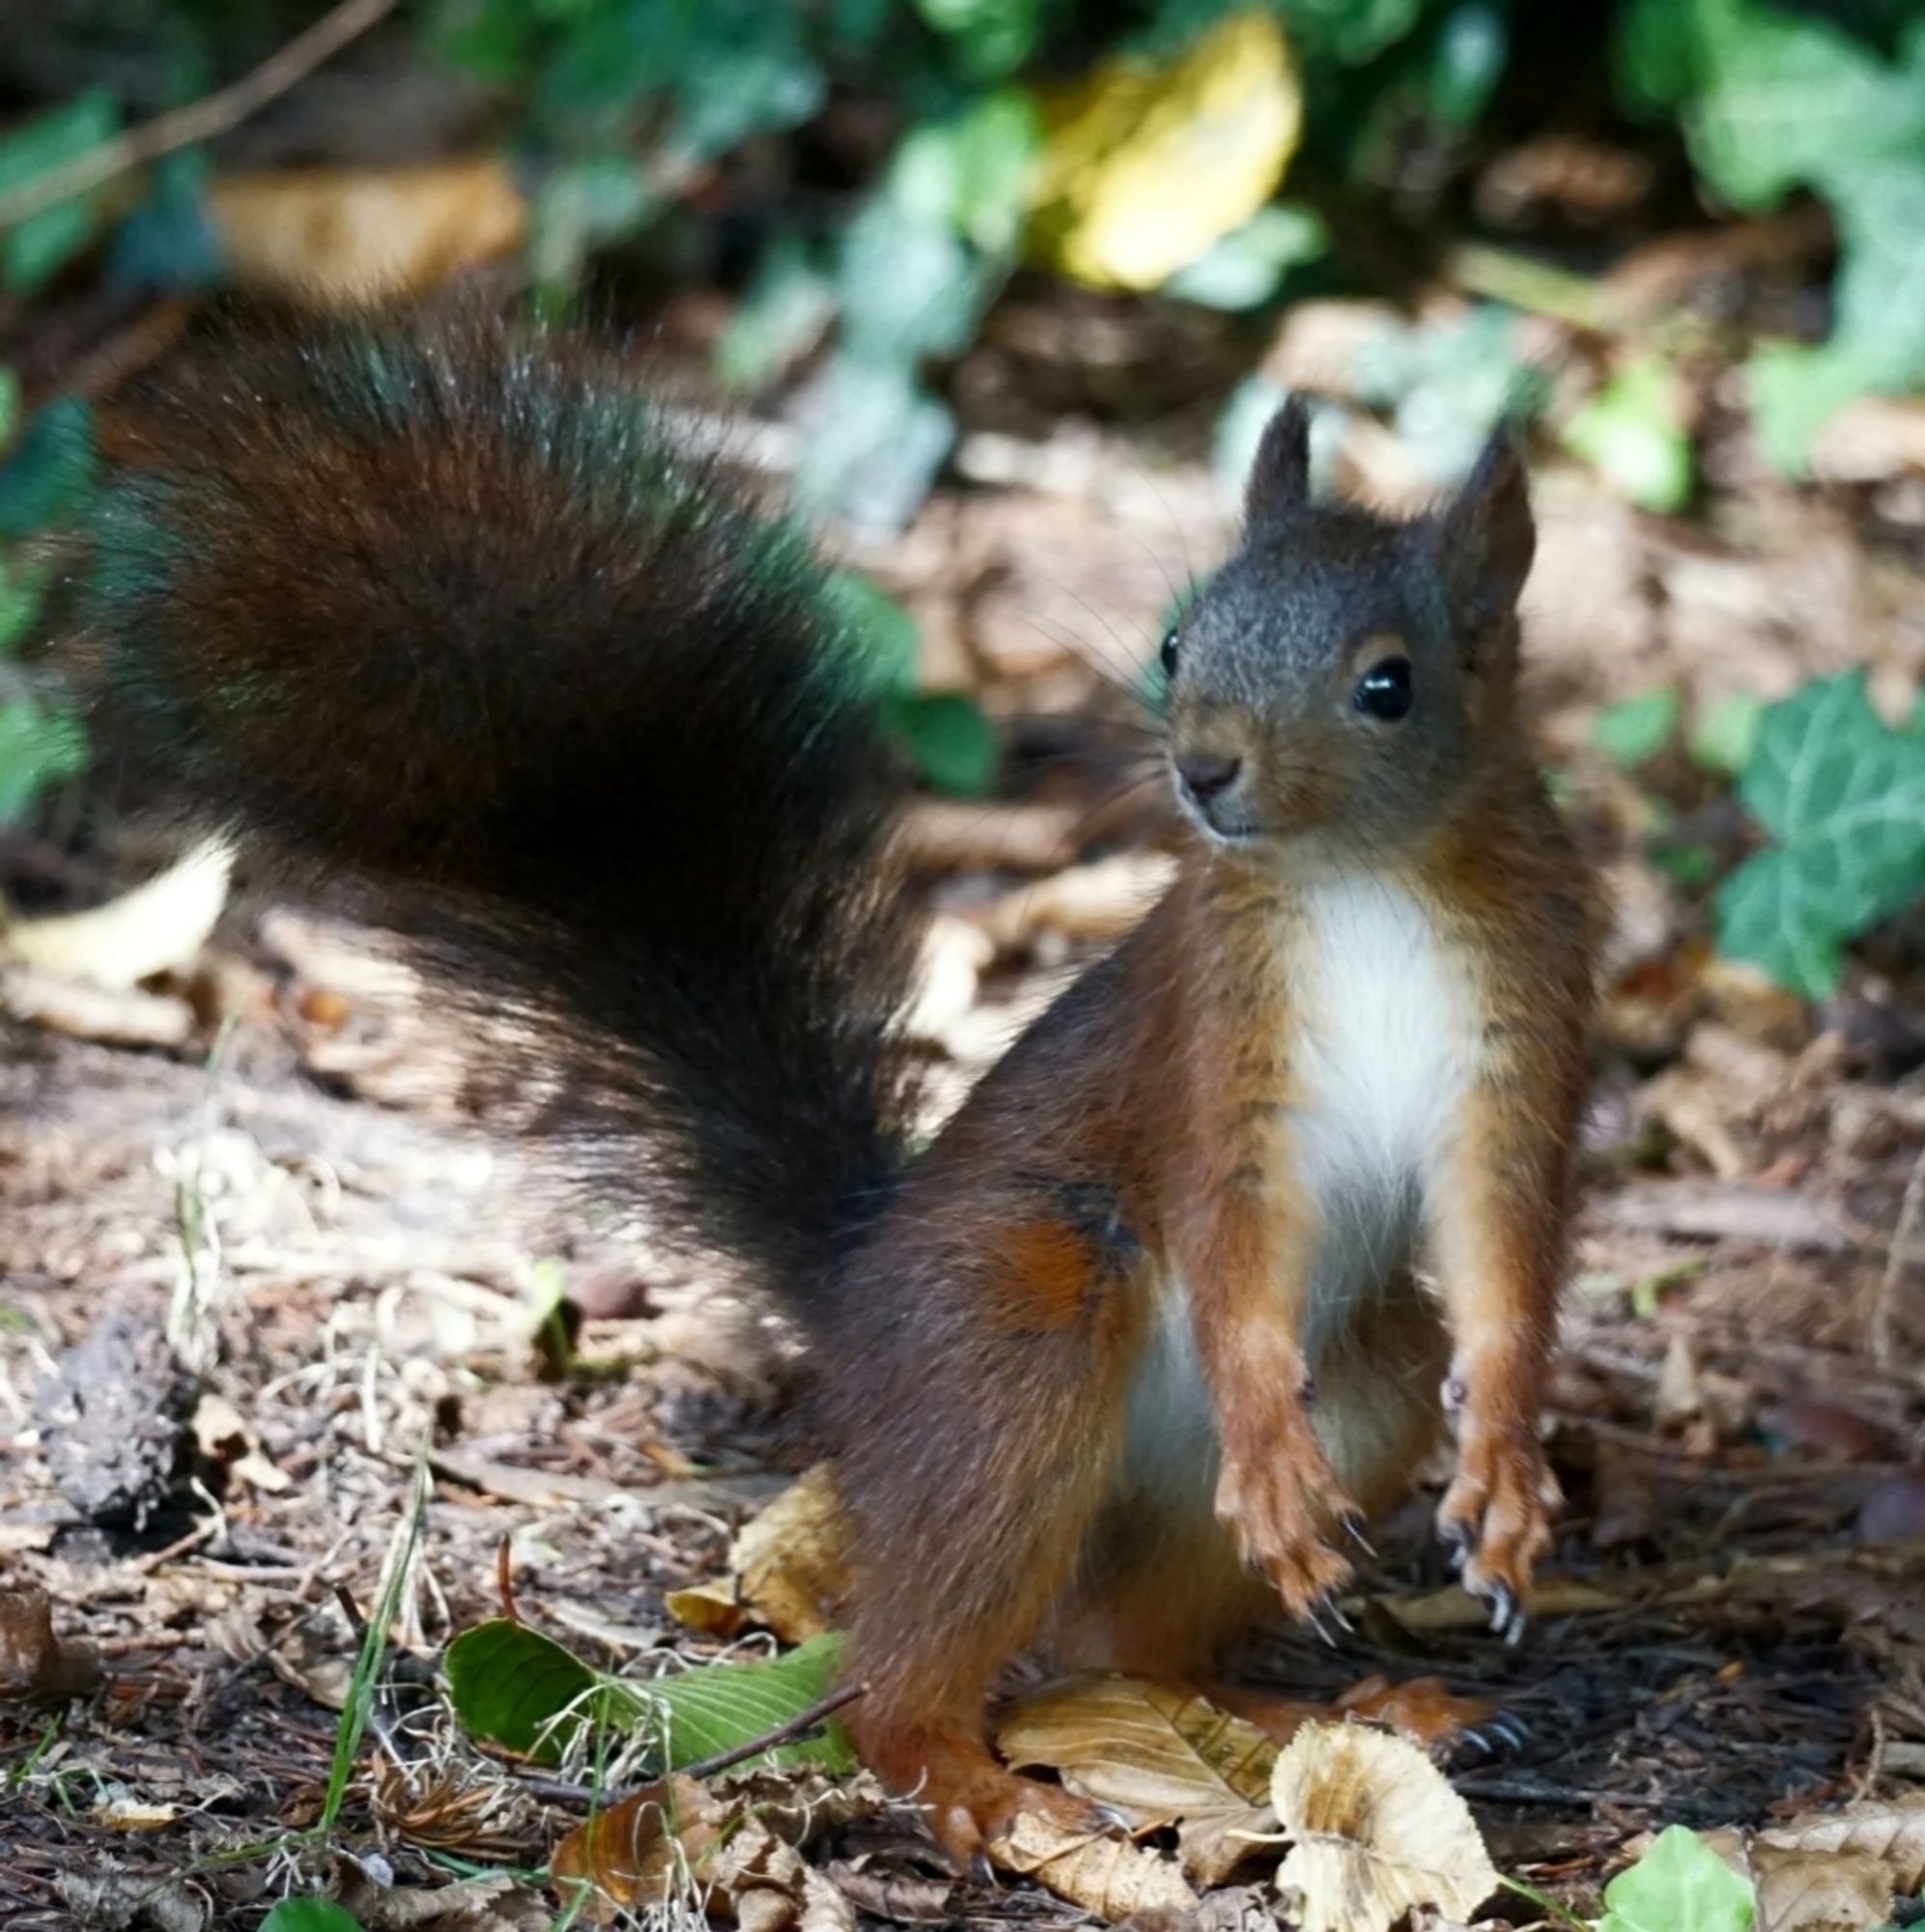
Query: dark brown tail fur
[[452, 618]]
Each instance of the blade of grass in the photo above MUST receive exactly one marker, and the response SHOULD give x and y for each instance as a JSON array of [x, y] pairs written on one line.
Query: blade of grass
[[373, 1653]]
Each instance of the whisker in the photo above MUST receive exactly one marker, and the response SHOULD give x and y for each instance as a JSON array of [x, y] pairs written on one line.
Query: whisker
[[1098, 665]]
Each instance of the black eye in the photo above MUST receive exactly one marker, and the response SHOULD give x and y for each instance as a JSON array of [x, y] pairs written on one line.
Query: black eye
[[1383, 692], [1168, 654]]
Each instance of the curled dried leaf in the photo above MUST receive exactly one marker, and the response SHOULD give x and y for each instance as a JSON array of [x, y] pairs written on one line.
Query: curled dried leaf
[[788, 1569], [1377, 1832], [1103, 1874], [1158, 1757]]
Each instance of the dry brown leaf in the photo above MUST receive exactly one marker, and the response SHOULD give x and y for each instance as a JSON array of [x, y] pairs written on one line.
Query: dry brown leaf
[[341, 237], [1100, 901], [1376, 1832], [35, 1663], [788, 1569], [956, 835], [1104, 1874], [907, 1898], [1158, 1757], [1888, 1830], [642, 1850], [1818, 1892], [489, 1902], [732, 1844], [955, 954]]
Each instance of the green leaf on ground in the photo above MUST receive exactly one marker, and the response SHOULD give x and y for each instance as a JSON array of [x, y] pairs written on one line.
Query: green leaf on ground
[[310, 1914], [1680, 1884], [1843, 795], [1726, 733], [1774, 97], [517, 1688], [523, 1689], [1633, 432], [1635, 729]]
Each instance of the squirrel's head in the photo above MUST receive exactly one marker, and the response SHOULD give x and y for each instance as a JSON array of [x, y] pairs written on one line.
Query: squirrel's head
[[1338, 673]]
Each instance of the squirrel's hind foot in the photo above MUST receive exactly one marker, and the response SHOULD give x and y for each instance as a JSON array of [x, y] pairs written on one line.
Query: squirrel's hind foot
[[969, 1800]]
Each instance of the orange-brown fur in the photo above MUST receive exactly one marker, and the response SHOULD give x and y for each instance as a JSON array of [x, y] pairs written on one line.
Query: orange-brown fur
[[1107, 1370], [1162, 1084]]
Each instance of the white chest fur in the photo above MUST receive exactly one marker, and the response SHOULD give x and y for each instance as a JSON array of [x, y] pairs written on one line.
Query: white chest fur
[[1384, 1036], [1384, 1032]]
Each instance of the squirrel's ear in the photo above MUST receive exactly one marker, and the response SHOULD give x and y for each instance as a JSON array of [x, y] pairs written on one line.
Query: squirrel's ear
[[1485, 539], [1280, 476]]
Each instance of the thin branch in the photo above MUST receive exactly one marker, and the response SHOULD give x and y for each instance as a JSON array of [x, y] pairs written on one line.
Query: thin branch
[[200, 119]]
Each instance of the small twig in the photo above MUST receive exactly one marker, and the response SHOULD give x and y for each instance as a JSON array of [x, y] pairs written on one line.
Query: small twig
[[352, 1611], [203, 1531], [200, 119], [504, 1581], [708, 1767], [1884, 1321]]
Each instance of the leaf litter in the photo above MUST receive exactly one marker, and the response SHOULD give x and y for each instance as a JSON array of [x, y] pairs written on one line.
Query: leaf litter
[[1724, 1645]]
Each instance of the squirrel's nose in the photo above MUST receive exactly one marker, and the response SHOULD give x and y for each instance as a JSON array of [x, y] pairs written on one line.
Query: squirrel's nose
[[1206, 774]]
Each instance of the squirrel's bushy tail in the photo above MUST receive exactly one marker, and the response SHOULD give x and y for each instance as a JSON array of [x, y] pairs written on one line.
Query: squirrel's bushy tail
[[452, 618]]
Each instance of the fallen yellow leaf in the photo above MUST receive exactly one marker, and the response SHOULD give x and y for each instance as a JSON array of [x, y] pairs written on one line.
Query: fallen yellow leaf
[[1144, 169], [788, 1569]]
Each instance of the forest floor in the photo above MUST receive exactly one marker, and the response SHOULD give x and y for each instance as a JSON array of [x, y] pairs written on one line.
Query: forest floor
[[287, 1153]]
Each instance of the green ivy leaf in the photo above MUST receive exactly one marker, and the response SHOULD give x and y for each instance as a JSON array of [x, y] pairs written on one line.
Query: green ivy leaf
[[970, 171], [1844, 797], [952, 744], [879, 437], [1680, 1884], [50, 469], [33, 251], [990, 38], [310, 1914], [1634, 731], [1771, 98]]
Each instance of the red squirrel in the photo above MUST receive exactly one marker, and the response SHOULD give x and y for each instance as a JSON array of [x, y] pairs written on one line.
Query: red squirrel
[[1129, 1355]]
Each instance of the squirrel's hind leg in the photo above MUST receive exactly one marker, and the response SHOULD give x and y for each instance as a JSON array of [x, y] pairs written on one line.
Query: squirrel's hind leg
[[974, 1462]]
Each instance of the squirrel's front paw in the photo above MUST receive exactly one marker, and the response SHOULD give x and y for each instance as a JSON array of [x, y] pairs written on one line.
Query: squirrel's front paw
[[1495, 1520], [1276, 1512]]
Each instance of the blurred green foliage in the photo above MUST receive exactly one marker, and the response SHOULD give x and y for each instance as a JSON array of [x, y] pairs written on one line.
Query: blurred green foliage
[[868, 263], [43, 478]]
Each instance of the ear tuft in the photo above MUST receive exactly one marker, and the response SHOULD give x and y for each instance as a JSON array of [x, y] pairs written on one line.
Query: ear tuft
[[1280, 477], [1486, 538]]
